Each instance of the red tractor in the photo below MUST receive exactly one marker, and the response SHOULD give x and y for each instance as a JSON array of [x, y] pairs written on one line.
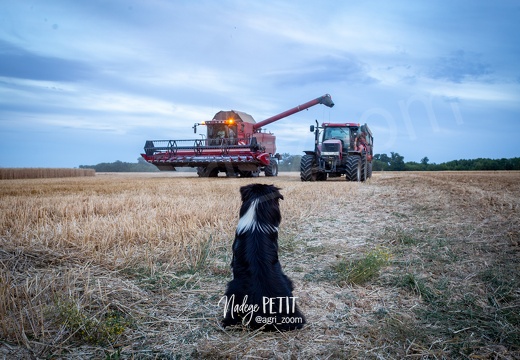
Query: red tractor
[[234, 144], [345, 149]]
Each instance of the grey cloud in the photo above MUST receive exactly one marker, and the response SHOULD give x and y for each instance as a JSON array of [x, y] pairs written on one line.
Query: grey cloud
[[459, 66], [17, 62], [327, 69]]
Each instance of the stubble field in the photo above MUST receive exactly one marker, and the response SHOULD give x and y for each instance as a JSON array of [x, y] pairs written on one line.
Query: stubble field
[[134, 266]]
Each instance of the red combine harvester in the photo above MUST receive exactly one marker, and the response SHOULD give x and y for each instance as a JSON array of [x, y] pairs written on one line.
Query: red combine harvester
[[234, 144]]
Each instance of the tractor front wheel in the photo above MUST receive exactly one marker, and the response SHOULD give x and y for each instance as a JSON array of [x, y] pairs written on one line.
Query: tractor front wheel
[[353, 168], [307, 168]]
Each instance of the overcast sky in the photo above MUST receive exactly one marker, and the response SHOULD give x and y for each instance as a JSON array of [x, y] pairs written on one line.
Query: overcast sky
[[84, 82]]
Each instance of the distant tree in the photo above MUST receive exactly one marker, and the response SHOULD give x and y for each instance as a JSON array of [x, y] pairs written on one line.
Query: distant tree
[[396, 162], [424, 163], [295, 164], [486, 164], [513, 164], [413, 166], [285, 162], [289, 162], [120, 166], [380, 162], [385, 159]]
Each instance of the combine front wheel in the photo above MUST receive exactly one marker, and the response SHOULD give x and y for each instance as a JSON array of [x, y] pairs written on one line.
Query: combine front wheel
[[272, 168], [207, 171]]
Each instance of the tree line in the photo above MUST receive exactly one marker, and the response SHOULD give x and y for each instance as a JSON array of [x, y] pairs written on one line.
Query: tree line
[[120, 166], [395, 162], [381, 162]]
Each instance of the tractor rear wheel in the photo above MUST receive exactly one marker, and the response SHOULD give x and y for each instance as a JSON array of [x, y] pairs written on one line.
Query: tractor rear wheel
[[369, 172], [353, 168], [307, 168], [364, 167]]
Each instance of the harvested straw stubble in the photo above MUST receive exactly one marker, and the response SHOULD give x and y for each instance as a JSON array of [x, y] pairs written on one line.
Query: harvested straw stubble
[[149, 255]]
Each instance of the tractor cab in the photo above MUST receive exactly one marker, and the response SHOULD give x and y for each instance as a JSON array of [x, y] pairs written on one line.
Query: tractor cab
[[338, 138], [346, 133], [338, 135]]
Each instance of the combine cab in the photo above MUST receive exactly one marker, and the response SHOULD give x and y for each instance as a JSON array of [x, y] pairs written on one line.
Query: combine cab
[[345, 149], [234, 144]]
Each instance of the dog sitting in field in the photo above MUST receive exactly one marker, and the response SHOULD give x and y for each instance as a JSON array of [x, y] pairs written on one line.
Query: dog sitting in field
[[260, 294]]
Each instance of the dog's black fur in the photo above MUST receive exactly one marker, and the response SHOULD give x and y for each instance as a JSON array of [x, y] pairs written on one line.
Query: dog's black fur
[[257, 273]]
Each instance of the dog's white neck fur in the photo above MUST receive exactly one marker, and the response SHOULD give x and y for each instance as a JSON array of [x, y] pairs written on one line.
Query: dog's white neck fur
[[248, 222]]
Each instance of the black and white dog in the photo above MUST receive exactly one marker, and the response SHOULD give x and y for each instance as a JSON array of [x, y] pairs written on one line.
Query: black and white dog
[[260, 294]]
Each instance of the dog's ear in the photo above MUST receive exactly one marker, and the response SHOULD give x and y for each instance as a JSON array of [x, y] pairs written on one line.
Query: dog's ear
[[276, 191], [245, 192]]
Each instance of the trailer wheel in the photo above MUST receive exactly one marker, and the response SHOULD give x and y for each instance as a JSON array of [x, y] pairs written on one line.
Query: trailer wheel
[[272, 168], [353, 168], [307, 166]]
